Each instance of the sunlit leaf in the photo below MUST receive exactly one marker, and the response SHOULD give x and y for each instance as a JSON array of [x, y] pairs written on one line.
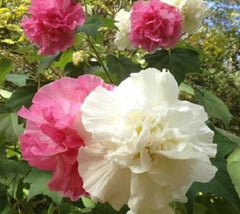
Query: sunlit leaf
[[233, 167]]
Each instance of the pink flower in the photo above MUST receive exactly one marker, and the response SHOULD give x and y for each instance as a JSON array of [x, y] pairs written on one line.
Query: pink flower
[[155, 24], [50, 141], [52, 24]]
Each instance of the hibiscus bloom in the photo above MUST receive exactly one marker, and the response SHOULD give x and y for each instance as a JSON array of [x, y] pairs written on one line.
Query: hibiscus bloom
[[147, 147], [52, 24], [155, 24], [50, 141]]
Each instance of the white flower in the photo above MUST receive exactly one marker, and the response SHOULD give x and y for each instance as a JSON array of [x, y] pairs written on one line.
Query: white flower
[[193, 12], [147, 147], [122, 40]]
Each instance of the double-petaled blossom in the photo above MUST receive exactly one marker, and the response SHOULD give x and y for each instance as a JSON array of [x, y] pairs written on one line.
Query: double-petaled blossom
[[155, 24], [50, 141], [193, 12], [147, 147], [52, 24], [122, 21]]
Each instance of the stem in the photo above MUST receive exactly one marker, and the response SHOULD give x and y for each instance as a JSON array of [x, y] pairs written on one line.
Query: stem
[[99, 59]]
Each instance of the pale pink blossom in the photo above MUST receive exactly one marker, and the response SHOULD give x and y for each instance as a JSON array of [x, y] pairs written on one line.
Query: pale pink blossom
[[155, 24], [50, 141], [52, 24]]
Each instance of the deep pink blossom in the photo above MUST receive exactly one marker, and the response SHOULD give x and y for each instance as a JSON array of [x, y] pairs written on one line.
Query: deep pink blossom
[[52, 24], [50, 141], [155, 24]]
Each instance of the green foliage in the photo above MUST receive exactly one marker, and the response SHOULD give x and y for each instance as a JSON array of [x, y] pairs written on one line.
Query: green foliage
[[93, 23], [233, 167], [121, 67], [22, 96], [175, 61], [38, 184], [9, 126], [24, 189], [221, 184], [213, 106], [5, 68]]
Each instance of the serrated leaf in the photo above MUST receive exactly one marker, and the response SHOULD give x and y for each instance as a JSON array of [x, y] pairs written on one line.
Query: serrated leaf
[[221, 184], [17, 79], [5, 68], [213, 106], [179, 62], [91, 26], [21, 97], [233, 167], [10, 127], [121, 67], [38, 184]]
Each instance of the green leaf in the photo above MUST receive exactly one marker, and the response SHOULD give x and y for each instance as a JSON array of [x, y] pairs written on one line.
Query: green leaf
[[221, 184], [208, 204], [5, 68], [213, 106], [5, 94], [186, 88], [65, 58], [11, 174], [88, 203], [38, 184], [10, 127], [233, 167], [17, 79], [107, 209], [91, 26], [179, 62], [73, 71], [230, 136], [3, 197], [121, 67], [22, 96], [46, 62], [109, 23]]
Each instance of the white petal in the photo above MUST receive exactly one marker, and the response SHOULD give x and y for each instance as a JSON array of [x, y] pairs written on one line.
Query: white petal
[[152, 86], [147, 195], [105, 181], [178, 175], [101, 113]]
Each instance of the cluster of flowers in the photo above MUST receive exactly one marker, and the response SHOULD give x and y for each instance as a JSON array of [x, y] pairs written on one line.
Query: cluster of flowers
[[149, 25], [158, 24], [133, 144]]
